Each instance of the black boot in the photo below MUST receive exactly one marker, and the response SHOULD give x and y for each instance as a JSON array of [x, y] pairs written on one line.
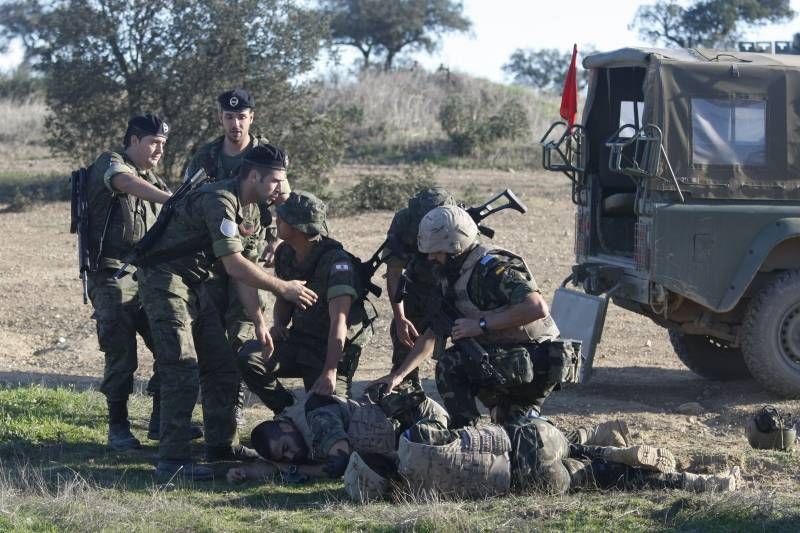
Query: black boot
[[120, 438], [154, 426]]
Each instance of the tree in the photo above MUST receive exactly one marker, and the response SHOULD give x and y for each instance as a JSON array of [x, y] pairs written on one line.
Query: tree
[[105, 60], [706, 23], [544, 69], [385, 28]]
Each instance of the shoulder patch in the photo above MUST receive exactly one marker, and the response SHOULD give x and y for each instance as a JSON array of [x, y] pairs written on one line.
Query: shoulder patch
[[228, 228], [341, 266], [488, 258]]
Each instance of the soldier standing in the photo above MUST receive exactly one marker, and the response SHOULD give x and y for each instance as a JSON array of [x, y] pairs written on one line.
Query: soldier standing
[[324, 342], [190, 343], [404, 257], [221, 160], [502, 310], [123, 196]]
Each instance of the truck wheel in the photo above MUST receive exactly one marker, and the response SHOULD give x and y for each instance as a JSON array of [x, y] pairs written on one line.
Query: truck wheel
[[708, 357], [771, 335]]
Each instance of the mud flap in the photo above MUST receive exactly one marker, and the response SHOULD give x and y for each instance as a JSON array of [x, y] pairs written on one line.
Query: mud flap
[[581, 317]]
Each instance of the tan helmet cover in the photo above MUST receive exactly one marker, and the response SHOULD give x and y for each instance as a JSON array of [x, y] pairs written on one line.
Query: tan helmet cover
[[362, 483], [446, 229]]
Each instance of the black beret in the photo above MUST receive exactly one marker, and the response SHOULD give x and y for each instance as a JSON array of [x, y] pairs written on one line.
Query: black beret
[[149, 125], [267, 155], [236, 100]]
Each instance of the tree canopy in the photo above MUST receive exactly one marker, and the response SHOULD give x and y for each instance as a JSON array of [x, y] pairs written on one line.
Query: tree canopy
[[382, 29], [544, 68], [706, 23], [106, 60]]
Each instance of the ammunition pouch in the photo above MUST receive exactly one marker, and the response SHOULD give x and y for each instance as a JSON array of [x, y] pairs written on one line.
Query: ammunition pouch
[[349, 363], [557, 361], [513, 364]]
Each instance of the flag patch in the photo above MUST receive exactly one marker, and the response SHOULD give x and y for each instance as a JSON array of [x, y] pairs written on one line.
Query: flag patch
[[228, 228]]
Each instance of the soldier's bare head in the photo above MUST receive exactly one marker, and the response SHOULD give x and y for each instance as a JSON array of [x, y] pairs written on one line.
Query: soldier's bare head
[[279, 441]]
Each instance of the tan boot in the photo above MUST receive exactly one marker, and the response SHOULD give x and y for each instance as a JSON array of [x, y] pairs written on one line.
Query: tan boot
[[610, 433], [644, 456], [728, 482]]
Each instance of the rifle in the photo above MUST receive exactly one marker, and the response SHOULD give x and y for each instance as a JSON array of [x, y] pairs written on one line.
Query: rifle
[[478, 213], [79, 223], [157, 229], [440, 317]]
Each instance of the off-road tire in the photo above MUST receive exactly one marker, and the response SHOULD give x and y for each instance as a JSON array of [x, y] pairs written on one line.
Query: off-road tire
[[709, 357], [771, 335]]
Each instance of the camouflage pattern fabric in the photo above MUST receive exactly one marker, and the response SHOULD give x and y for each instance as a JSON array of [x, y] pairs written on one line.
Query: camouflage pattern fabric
[[492, 284], [538, 449], [119, 316], [191, 349]]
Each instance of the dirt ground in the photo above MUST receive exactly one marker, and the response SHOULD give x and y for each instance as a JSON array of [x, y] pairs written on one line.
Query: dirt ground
[[47, 335]]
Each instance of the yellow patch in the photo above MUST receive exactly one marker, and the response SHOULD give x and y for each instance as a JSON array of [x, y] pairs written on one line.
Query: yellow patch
[[499, 270]]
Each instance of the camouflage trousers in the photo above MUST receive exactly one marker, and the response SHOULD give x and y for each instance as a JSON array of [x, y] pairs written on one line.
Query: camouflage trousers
[[588, 474], [193, 353], [289, 361], [460, 381], [238, 326], [119, 316]]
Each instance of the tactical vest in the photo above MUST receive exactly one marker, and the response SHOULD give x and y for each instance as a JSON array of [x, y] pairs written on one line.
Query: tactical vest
[[369, 430], [540, 330], [476, 465], [210, 162]]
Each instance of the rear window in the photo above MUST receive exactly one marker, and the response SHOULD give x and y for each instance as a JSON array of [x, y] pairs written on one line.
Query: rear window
[[729, 132]]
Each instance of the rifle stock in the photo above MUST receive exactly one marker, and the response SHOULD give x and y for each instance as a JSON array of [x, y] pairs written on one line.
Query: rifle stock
[[480, 212], [79, 224]]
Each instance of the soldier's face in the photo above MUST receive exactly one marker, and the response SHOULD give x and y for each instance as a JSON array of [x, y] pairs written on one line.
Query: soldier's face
[[286, 449], [438, 258], [147, 151], [268, 186], [237, 124]]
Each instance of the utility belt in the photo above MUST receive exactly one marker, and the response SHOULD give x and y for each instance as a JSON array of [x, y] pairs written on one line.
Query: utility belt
[[554, 361]]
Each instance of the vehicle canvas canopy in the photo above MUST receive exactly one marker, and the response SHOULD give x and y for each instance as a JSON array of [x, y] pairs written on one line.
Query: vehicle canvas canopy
[[729, 122]]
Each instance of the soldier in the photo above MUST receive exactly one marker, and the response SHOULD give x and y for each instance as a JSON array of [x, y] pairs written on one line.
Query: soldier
[[322, 343], [404, 256], [527, 454], [503, 311], [221, 159], [188, 336], [321, 432], [124, 195]]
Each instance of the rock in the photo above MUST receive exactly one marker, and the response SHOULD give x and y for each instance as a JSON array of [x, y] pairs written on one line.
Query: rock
[[691, 408], [692, 419], [61, 340], [649, 343]]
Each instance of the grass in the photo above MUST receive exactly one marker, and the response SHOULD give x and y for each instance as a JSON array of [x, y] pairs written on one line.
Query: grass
[[56, 475]]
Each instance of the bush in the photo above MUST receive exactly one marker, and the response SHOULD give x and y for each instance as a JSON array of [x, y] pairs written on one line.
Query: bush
[[375, 192], [476, 123]]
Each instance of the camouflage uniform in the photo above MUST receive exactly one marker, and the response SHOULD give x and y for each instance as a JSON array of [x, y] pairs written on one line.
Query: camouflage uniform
[[117, 308], [189, 338], [330, 272], [484, 280], [403, 253]]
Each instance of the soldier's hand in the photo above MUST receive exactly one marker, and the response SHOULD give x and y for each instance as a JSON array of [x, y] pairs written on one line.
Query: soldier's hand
[[268, 257], [390, 380], [296, 292], [263, 336], [325, 384], [465, 328], [406, 332]]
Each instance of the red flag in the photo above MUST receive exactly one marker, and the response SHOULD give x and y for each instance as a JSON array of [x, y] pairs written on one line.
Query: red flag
[[569, 98]]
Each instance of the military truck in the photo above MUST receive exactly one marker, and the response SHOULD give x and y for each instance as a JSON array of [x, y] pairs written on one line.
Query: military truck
[[685, 171]]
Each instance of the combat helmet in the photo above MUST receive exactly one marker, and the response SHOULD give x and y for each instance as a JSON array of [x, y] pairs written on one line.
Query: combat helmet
[[447, 229], [362, 483], [427, 199], [769, 429]]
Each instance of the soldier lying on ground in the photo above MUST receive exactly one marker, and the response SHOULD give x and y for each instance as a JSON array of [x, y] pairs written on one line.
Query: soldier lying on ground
[[528, 454], [317, 436]]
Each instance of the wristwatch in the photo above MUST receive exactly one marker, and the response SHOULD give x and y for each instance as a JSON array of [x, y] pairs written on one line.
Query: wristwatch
[[482, 324]]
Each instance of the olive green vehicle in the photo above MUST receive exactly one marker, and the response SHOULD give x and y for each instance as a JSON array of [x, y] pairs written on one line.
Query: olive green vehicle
[[685, 171]]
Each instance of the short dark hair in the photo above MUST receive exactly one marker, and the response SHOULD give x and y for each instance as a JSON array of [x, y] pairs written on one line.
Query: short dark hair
[[270, 430], [130, 132]]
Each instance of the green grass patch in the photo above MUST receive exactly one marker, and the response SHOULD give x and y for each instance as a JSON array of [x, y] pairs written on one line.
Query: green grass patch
[[57, 475]]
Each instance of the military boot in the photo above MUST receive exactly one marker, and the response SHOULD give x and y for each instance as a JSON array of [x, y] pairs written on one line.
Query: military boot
[[644, 456], [235, 452], [610, 433], [154, 426], [120, 438], [186, 470], [728, 482]]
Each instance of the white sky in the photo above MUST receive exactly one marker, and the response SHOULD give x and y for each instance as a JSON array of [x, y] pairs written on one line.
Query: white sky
[[502, 26]]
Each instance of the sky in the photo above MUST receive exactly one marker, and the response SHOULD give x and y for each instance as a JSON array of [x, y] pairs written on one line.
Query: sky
[[502, 26]]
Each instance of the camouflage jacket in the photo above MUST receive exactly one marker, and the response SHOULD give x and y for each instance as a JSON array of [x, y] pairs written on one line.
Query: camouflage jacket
[[128, 217], [207, 224]]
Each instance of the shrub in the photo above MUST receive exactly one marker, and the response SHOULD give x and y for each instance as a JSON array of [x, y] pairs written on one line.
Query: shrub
[[472, 123], [376, 192]]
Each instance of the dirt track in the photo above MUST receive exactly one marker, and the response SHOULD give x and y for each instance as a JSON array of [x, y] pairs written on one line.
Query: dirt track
[[46, 333]]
